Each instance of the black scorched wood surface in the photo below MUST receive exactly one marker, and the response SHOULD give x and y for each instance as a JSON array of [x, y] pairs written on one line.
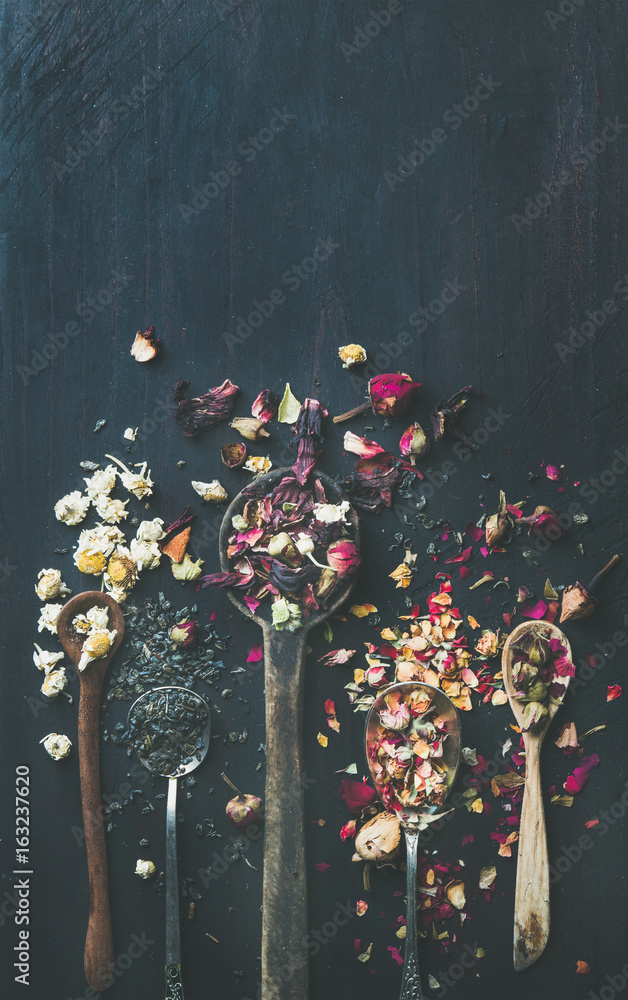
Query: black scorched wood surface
[[443, 182]]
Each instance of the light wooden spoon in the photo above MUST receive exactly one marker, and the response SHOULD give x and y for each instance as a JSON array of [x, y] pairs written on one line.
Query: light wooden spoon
[[532, 911], [99, 940]]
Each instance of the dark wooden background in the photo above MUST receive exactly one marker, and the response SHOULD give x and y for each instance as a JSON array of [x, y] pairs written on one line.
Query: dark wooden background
[[201, 78]]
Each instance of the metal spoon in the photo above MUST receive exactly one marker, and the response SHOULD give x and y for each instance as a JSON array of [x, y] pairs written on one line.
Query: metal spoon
[[532, 911], [409, 817], [99, 940], [284, 922], [174, 987]]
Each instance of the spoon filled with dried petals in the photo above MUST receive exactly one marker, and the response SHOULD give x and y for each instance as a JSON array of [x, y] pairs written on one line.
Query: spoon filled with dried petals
[[290, 547], [90, 627], [169, 728], [413, 751], [537, 667]]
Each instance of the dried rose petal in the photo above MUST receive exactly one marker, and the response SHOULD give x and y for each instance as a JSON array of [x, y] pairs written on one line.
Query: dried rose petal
[[613, 692], [357, 795], [203, 411], [361, 446], [146, 345], [414, 443], [265, 406], [553, 472]]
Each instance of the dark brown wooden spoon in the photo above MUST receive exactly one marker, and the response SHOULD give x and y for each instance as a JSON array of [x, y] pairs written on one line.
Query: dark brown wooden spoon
[[99, 941], [284, 921]]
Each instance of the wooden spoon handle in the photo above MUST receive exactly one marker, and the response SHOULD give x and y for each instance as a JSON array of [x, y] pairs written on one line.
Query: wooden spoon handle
[[99, 941], [532, 912], [284, 921]]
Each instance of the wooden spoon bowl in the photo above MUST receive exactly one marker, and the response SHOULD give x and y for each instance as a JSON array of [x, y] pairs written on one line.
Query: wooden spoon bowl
[[99, 940], [284, 922], [532, 911]]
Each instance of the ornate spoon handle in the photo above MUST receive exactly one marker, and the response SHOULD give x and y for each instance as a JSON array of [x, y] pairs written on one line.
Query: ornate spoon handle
[[411, 982]]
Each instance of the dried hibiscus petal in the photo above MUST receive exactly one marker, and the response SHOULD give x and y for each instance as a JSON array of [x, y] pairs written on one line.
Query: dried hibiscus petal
[[309, 435], [371, 486], [197, 412]]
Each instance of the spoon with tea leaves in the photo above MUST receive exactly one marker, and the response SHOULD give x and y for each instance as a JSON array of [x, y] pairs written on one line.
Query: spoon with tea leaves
[[537, 666], [169, 729], [90, 627], [413, 751]]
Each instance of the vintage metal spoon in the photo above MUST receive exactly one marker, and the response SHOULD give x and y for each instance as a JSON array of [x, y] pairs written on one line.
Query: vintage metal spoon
[[174, 987], [532, 911], [284, 922], [409, 817], [99, 940]]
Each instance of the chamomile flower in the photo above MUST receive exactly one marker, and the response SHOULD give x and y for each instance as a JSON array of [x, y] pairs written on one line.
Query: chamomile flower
[[102, 482], [110, 511], [57, 745], [48, 618], [45, 660], [50, 585], [54, 683], [72, 508], [97, 645], [138, 483]]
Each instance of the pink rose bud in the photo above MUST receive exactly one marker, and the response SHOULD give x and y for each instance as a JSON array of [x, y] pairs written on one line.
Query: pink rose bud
[[414, 443], [344, 558], [184, 633], [392, 394]]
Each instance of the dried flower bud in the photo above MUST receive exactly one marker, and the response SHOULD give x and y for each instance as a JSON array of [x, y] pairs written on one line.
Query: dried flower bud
[[392, 394], [539, 651], [283, 548], [544, 521], [145, 869], [352, 354], [233, 455], [57, 745], [249, 427], [265, 406], [146, 345], [50, 585], [184, 633], [326, 583], [378, 840], [577, 603], [243, 809], [414, 443], [497, 527], [285, 615], [344, 558], [533, 714], [523, 674], [487, 644], [537, 691], [212, 492]]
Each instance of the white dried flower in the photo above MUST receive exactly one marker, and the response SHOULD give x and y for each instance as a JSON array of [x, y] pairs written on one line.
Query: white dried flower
[[258, 464], [138, 483], [145, 869], [54, 683], [96, 645], [72, 508], [304, 544], [44, 660], [103, 481], [213, 491], [50, 585], [329, 513], [95, 545], [146, 555], [352, 354], [57, 745], [150, 531], [131, 434], [93, 620], [48, 618], [111, 511]]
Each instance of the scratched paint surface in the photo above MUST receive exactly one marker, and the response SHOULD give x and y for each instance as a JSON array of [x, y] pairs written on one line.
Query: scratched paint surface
[[446, 185]]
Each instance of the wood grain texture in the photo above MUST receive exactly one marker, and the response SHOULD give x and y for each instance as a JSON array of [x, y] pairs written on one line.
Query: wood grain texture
[[195, 272]]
